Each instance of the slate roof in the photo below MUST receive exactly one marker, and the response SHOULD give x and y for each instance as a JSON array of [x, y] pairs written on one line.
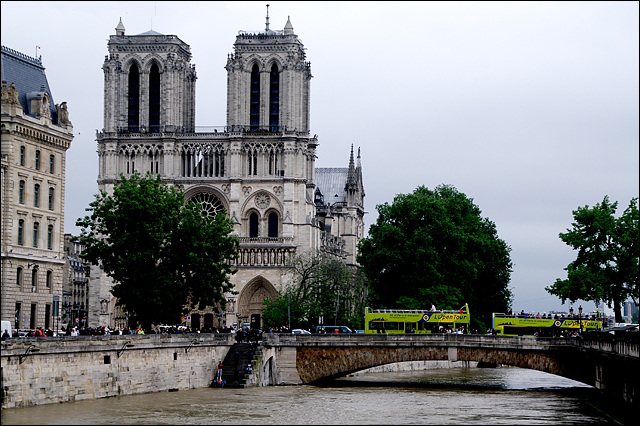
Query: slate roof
[[150, 33], [28, 75], [332, 181]]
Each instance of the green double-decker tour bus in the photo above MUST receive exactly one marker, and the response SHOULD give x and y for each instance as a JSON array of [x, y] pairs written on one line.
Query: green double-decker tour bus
[[546, 325], [408, 321]]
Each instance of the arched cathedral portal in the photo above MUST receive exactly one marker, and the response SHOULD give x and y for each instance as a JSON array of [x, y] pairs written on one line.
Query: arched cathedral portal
[[251, 299]]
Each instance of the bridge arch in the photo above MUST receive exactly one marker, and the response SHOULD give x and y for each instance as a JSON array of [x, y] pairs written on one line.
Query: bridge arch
[[320, 364]]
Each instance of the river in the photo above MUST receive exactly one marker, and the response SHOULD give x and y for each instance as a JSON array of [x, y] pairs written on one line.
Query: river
[[459, 396]]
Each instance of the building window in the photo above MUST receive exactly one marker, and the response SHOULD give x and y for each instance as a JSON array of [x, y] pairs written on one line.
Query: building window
[[36, 195], [273, 225], [18, 314], [50, 237], [274, 98], [253, 225], [19, 276], [34, 280], [32, 320], [52, 162], [254, 102], [37, 160], [47, 316], [134, 99], [154, 100], [49, 279], [36, 227], [20, 232], [21, 193], [51, 191], [22, 152]]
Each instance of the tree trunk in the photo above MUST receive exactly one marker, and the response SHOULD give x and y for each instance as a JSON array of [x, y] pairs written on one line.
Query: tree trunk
[[616, 310]]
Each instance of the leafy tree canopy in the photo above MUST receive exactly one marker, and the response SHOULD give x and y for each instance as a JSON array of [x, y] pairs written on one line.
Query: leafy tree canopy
[[606, 267], [163, 255], [320, 285], [433, 246]]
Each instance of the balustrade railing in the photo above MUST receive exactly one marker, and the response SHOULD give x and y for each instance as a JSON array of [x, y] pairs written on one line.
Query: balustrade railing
[[264, 256], [182, 130], [265, 240]]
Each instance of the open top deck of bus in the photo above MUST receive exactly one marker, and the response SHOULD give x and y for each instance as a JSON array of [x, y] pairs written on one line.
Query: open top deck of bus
[[419, 321], [547, 325]]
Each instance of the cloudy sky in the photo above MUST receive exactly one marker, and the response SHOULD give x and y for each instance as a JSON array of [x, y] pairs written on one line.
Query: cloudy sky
[[529, 108]]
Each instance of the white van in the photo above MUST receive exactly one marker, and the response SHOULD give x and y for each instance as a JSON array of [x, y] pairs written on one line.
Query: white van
[[6, 325]]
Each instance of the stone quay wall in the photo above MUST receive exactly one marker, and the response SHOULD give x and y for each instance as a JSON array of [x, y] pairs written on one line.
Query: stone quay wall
[[39, 371]]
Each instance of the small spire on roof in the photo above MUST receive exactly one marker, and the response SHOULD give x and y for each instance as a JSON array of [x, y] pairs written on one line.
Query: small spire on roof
[[288, 28], [120, 28]]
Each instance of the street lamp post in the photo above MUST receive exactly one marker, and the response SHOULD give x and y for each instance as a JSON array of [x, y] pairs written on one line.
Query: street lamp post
[[580, 317]]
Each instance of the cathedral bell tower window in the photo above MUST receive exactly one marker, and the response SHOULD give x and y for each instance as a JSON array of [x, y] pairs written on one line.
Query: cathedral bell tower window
[[154, 99], [254, 107], [134, 99], [274, 99]]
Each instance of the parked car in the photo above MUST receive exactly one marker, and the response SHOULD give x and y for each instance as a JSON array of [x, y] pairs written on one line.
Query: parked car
[[333, 329], [300, 331]]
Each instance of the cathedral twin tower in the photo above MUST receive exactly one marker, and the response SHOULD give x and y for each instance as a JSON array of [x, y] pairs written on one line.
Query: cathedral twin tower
[[259, 168]]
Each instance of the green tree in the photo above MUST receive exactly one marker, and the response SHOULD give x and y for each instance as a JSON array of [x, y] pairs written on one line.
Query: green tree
[[163, 255], [319, 285], [606, 267], [434, 247]]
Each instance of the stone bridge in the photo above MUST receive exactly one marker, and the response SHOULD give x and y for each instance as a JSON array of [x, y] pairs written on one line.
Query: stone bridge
[[613, 367]]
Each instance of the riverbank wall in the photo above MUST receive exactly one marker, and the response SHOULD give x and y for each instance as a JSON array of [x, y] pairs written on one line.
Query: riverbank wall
[[39, 371]]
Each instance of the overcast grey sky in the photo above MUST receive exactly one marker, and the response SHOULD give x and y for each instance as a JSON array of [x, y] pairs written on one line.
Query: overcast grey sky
[[530, 109]]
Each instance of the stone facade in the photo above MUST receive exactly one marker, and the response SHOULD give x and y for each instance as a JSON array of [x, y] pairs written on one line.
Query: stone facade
[[259, 167], [36, 134], [75, 369]]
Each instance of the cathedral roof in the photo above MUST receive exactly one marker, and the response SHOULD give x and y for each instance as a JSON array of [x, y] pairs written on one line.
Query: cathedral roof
[[28, 75], [151, 33], [331, 182]]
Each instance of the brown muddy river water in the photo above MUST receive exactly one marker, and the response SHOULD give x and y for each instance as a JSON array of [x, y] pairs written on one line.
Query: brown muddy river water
[[501, 396]]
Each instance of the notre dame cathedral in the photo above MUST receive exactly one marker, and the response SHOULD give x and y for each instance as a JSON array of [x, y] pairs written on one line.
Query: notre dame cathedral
[[259, 168]]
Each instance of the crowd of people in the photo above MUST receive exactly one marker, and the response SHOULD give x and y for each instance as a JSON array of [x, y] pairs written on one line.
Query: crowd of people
[[105, 330], [544, 315]]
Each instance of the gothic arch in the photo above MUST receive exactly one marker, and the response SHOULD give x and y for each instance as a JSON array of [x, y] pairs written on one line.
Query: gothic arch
[[273, 59], [252, 199], [133, 59], [273, 223], [208, 195], [252, 60], [151, 59], [248, 223], [251, 298]]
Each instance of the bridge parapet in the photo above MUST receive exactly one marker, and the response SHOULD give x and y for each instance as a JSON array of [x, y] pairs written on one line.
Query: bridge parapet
[[629, 349], [413, 340]]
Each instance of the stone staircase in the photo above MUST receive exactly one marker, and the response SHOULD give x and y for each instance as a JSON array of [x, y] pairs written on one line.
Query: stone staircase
[[234, 370]]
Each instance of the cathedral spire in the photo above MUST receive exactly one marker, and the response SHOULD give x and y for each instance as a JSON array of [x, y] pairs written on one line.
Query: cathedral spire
[[351, 174], [267, 28]]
